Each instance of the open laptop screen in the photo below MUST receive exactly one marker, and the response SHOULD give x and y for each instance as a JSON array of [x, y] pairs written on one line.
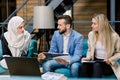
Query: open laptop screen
[[23, 66]]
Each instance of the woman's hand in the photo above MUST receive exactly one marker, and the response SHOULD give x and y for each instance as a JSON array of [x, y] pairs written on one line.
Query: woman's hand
[[84, 59], [108, 61], [41, 56]]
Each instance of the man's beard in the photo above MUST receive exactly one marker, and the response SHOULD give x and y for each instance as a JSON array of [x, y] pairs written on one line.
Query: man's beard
[[63, 31]]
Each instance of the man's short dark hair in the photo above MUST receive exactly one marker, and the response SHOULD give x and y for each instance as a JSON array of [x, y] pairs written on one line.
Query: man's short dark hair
[[67, 19]]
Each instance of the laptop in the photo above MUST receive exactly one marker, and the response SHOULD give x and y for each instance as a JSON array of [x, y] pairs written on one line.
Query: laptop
[[23, 66]]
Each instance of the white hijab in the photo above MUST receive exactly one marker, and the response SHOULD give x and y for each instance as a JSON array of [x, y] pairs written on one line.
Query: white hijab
[[17, 43]]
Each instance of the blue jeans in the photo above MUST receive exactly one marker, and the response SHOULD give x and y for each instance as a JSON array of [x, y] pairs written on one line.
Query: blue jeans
[[51, 65]]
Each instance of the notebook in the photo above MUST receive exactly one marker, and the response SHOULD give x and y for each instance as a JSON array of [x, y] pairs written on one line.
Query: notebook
[[93, 61], [23, 66]]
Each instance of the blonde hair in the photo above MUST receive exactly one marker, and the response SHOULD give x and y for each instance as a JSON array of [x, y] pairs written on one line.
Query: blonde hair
[[104, 31]]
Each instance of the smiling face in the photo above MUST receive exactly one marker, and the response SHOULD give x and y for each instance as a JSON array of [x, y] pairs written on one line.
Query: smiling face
[[20, 29], [94, 25]]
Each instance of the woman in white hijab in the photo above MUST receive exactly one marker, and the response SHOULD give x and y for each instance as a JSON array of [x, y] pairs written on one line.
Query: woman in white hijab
[[16, 40]]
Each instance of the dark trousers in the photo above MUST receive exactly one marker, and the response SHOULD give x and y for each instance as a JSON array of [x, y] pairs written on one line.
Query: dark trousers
[[96, 69]]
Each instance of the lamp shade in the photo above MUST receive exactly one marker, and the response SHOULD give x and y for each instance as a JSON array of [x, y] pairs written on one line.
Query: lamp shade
[[43, 17]]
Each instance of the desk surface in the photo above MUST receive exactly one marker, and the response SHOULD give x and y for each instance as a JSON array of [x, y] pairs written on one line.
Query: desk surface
[[39, 78], [20, 77]]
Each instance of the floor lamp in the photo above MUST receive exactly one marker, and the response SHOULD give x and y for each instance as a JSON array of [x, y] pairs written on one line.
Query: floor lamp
[[43, 19]]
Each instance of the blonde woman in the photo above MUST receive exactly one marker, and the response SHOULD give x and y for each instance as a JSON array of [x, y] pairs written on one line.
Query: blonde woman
[[104, 49]]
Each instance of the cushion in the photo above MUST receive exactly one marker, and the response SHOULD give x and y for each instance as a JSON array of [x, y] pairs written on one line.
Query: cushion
[[64, 71], [110, 76], [32, 48], [85, 47], [119, 61], [0, 52], [2, 70], [0, 49]]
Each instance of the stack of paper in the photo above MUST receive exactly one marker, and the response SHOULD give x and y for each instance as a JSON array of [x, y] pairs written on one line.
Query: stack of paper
[[53, 76]]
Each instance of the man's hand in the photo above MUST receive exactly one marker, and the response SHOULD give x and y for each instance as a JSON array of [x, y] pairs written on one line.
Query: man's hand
[[61, 61], [41, 56]]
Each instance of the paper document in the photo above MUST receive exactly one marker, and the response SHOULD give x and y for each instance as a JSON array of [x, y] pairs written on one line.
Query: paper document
[[92, 61], [53, 55], [53, 76], [66, 57], [88, 62], [3, 63]]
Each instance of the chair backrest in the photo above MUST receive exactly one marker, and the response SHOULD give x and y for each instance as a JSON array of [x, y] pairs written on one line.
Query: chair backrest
[[119, 61], [85, 47], [0, 49], [32, 48]]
